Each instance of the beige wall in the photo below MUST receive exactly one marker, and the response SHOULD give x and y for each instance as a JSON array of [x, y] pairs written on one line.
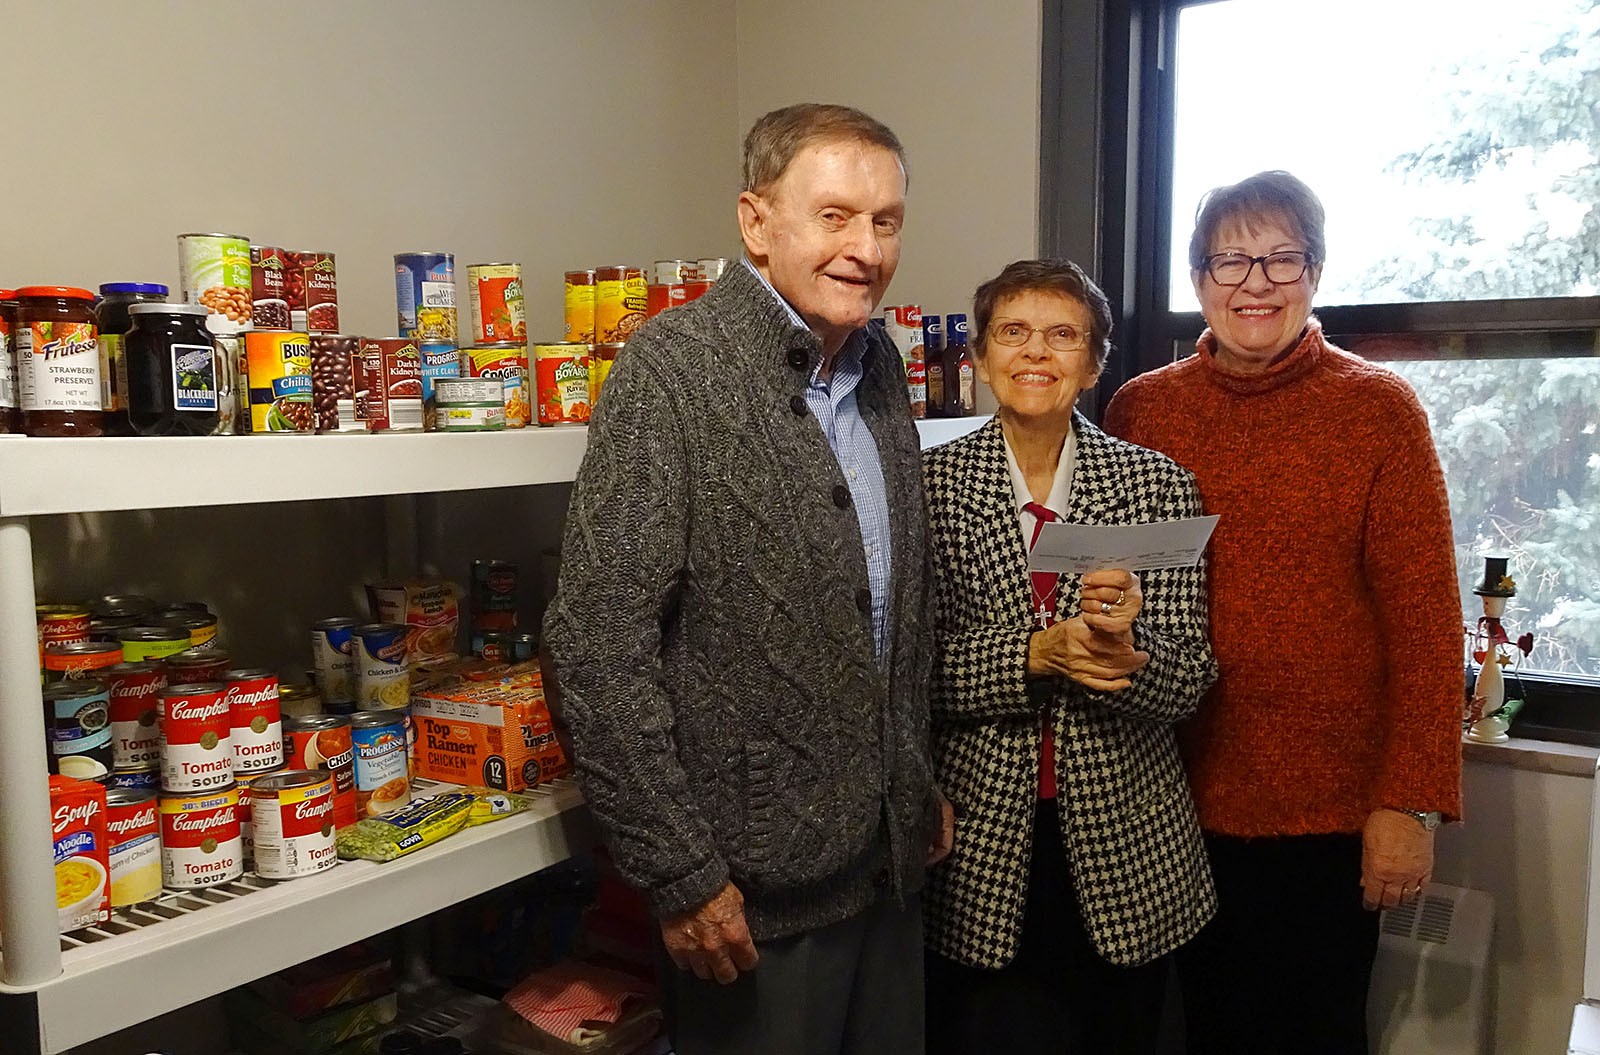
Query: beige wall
[[959, 84]]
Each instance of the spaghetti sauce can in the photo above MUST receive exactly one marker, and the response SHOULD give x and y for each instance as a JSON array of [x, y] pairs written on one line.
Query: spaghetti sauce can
[[494, 297], [561, 386], [291, 823], [133, 833], [200, 843], [196, 748], [322, 741], [256, 727], [135, 720]]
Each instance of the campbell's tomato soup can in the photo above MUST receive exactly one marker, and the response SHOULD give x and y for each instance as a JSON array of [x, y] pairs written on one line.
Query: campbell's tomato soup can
[[256, 727], [494, 296], [194, 665], [246, 828], [322, 741], [133, 831], [135, 714], [200, 843], [383, 767], [80, 659], [196, 747], [561, 383], [291, 820]]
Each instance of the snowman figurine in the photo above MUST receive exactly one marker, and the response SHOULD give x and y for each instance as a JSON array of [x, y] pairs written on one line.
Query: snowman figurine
[[1488, 718]]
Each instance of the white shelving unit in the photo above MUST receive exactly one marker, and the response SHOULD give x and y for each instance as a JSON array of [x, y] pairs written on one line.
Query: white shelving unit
[[71, 990]]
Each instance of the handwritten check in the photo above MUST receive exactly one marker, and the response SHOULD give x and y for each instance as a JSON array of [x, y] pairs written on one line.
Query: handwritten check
[[1074, 549]]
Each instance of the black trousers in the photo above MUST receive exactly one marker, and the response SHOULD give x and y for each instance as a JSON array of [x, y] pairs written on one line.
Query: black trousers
[[1058, 995], [1285, 963]]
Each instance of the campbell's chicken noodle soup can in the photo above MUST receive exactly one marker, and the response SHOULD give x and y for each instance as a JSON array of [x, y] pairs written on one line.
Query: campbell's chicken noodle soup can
[[135, 715], [578, 301], [383, 764], [195, 665], [494, 298], [80, 659], [61, 624], [214, 270], [196, 745], [561, 383], [255, 724], [333, 658], [394, 379], [278, 365], [292, 825], [425, 295], [317, 309], [82, 863], [507, 363], [322, 741], [200, 843], [621, 300], [133, 832], [269, 304]]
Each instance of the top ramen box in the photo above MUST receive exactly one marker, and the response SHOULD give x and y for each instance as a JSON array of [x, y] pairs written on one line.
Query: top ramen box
[[429, 608], [494, 734]]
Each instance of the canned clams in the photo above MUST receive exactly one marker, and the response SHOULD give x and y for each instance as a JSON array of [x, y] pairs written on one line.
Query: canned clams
[[291, 824], [196, 749], [200, 844], [383, 681], [561, 383], [255, 726], [494, 297], [383, 769], [425, 294], [322, 741], [278, 367], [214, 270], [133, 833]]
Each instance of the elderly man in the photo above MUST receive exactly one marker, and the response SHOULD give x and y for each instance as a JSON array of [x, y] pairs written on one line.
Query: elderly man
[[740, 635]]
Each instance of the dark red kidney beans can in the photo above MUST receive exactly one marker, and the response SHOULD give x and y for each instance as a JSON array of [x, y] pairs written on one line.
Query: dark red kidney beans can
[[393, 368], [256, 724], [269, 279], [196, 752], [320, 285], [194, 665], [135, 714]]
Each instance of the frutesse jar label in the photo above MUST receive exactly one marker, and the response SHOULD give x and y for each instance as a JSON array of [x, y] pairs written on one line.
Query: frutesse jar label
[[59, 366]]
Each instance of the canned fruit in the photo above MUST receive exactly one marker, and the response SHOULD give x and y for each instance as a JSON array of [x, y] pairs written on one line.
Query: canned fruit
[[196, 748], [255, 726], [200, 839], [335, 366], [383, 768], [562, 383], [133, 835], [494, 295], [214, 270], [425, 294], [278, 368], [291, 822], [322, 741], [82, 861], [392, 378]]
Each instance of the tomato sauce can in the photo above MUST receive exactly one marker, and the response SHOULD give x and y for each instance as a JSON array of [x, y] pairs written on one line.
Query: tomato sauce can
[[383, 680], [133, 832], [80, 659], [278, 366], [291, 821], [256, 726], [214, 270], [78, 722], [322, 741], [393, 379], [621, 300], [333, 657], [507, 363], [200, 842], [561, 386], [196, 751], [579, 305], [425, 294], [383, 769], [141, 643], [194, 665], [494, 299], [135, 721]]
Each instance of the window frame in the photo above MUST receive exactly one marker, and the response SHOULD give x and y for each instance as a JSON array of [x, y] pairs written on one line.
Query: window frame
[[1134, 154]]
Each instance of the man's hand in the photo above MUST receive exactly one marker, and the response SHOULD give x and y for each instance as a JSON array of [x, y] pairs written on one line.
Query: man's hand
[[712, 940], [944, 839], [1396, 859]]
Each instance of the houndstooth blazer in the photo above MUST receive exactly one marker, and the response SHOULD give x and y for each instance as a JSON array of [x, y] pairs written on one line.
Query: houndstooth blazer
[[1127, 822]]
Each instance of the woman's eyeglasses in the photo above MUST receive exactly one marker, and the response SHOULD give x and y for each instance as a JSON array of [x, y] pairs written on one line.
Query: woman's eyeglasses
[[1063, 338], [1231, 269]]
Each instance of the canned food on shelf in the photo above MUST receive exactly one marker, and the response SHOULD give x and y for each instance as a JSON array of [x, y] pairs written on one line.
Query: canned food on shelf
[[494, 294], [196, 664], [561, 383], [135, 724], [508, 364], [82, 861], [578, 300], [80, 659], [140, 643], [425, 294], [322, 741], [335, 367], [200, 844], [278, 368], [333, 656], [621, 301], [393, 380], [214, 270], [291, 822], [196, 749], [255, 723], [78, 723], [383, 769], [133, 834]]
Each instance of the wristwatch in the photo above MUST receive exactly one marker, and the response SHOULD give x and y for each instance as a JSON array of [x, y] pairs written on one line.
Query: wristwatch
[[1429, 820]]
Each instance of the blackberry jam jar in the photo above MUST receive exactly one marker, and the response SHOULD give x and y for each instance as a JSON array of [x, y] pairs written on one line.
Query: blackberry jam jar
[[172, 371]]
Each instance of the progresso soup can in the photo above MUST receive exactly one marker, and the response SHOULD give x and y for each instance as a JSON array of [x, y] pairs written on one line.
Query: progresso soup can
[[383, 767], [383, 681], [425, 294]]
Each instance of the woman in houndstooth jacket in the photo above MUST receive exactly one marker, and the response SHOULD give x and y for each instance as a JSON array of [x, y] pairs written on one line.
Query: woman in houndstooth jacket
[[1078, 864]]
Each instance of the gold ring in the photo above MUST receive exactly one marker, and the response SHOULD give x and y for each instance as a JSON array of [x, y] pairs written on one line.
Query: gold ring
[[1121, 596]]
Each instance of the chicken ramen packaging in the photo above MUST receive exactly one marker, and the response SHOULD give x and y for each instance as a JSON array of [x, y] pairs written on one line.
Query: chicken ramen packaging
[[430, 609], [82, 857], [497, 734]]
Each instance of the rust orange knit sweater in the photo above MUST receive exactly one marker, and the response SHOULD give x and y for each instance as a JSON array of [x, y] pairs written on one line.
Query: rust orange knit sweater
[[1335, 612]]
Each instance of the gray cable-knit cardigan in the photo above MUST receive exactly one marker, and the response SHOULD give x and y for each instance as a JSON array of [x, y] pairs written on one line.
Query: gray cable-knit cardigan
[[711, 633]]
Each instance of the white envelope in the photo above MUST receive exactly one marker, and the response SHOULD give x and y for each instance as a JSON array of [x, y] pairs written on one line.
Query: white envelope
[[1074, 549]]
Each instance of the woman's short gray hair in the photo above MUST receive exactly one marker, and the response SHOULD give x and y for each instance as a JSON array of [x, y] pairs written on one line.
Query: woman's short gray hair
[[776, 137], [1274, 195], [1060, 277]]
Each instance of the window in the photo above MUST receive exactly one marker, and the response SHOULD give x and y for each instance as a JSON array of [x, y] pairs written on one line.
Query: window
[[1456, 146]]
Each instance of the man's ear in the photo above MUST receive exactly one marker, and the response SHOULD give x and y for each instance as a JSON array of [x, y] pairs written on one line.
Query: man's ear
[[752, 224]]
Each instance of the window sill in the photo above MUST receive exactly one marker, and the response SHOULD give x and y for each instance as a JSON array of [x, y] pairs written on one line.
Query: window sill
[[1538, 756]]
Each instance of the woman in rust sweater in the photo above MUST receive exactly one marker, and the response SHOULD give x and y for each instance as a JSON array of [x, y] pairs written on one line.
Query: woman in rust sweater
[[1329, 749]]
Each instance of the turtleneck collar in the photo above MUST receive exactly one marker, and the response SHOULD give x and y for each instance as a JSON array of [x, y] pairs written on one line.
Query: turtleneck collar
[[1310, 351]]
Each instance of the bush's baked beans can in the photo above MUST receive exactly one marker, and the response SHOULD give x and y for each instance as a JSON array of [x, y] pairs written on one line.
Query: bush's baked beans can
[[291, 822], [214, 270], [579, 303], [256, 727], [383, 769], [494, 296], [393, 380], [333, 658], [196, 749], [194, 665], [425, 294], [80, 659], [322, 741], [621, 299], [561, 386], [383, 680], [135, 715], [200, 844], [269, 304], [78, 723], [318, 309], [602, 357], [278, 367], [133, 832], [142, 643], [508, 364]]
